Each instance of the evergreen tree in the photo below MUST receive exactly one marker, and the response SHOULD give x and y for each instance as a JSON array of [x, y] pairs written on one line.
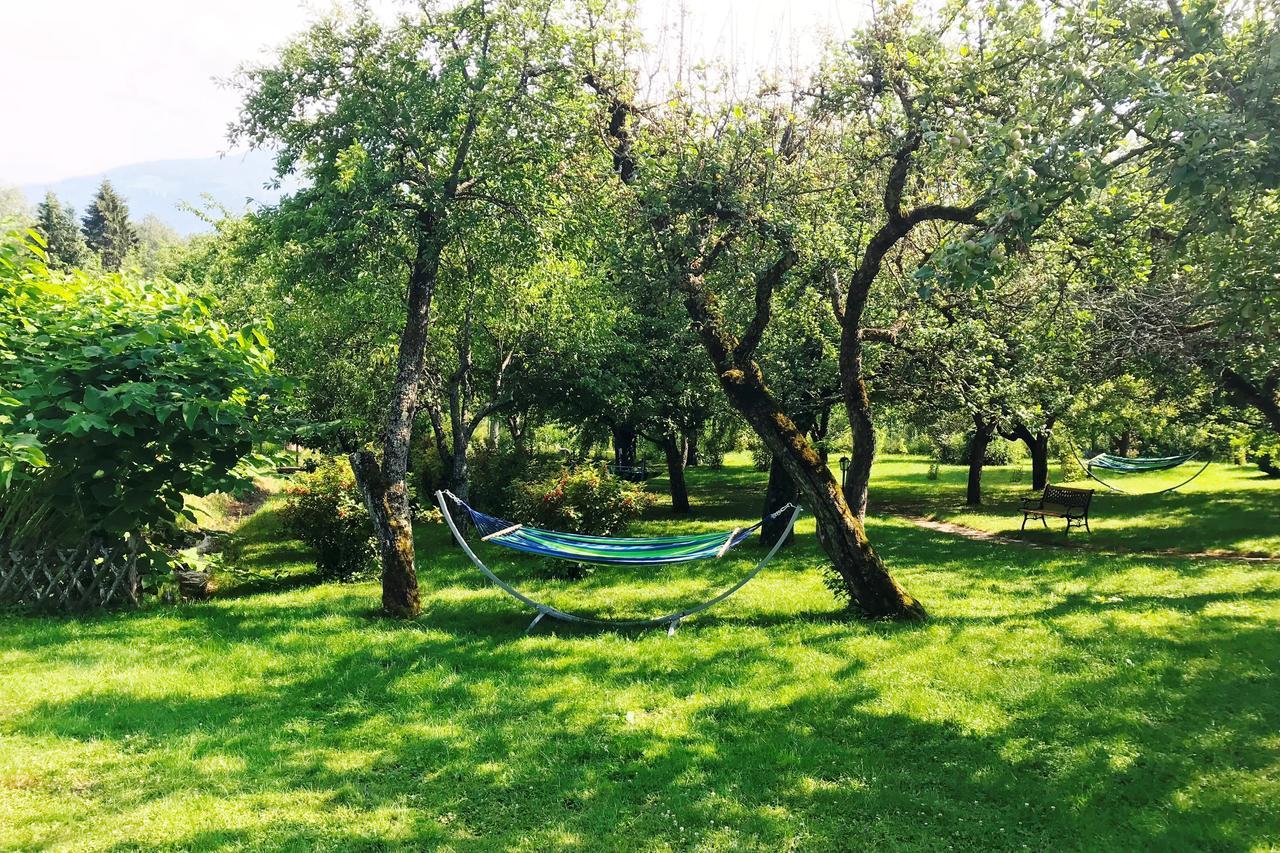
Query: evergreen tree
[[107, 228], [57, 224]]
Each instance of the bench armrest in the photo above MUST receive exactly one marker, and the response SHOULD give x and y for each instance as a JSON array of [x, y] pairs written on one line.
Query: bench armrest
[[1033, 503]]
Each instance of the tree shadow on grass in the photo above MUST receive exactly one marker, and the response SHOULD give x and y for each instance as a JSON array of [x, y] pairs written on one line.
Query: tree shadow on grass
[[452, 733]]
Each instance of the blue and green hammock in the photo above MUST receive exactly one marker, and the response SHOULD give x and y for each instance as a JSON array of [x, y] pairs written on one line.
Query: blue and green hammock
[[606, 550], [1136, 465]]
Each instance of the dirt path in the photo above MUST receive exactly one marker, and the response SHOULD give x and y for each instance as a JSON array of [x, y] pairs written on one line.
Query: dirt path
[[1065, 545]]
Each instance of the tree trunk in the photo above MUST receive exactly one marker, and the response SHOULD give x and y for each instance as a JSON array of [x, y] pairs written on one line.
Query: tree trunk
[[691, 449], [385, 491], [1126, 440], [393, 529], [675, 473], [863, 576], [1038, 447], [780, 492], [863, 452], [1039, 462], [982, 433], [625, 442], [1268, 465]]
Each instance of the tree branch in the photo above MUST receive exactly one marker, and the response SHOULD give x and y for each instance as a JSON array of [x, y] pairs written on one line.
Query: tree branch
[[766, 281]]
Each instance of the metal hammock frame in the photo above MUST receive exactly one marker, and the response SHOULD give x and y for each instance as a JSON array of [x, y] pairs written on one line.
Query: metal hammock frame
[[671, 620], [1087, 465]]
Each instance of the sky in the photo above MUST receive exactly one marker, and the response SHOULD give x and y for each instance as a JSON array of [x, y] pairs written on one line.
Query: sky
[[115, 82]]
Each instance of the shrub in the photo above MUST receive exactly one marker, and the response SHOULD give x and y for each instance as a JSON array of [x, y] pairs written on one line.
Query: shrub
[[955, 451], [326, 511], [497, 477], [118, 397], [581, 500], [721, 436], [761, 458]]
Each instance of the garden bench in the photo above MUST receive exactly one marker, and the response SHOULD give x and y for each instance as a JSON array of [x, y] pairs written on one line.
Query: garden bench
[[1063, 502]]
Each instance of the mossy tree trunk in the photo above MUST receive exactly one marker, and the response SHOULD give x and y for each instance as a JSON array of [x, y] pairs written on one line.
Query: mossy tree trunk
[[383, 484]]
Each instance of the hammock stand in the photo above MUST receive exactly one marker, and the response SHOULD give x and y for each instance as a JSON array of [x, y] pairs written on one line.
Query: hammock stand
[[514, 539], [1132, 466]]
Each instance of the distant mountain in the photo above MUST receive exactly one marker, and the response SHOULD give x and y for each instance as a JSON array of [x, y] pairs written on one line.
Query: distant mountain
[[236, 181]]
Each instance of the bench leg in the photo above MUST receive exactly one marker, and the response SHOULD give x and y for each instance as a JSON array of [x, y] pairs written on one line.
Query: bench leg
[[1045, 522], [1086, 525], [1024, 521]]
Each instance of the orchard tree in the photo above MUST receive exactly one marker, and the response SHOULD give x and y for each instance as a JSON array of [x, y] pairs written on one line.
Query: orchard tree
[[957, 144], [1198, 84], [64, 243], [705, 187], [408, 136], [107, 229]]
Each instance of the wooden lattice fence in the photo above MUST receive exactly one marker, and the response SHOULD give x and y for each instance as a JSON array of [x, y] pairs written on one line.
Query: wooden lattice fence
[[93, 576]]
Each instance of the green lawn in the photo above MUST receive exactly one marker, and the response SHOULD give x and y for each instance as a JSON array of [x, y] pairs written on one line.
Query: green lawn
[[1230, 509], [1056, 700]]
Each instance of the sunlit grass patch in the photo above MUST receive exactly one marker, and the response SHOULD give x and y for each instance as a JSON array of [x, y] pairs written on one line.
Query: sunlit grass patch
[[1057, 699]]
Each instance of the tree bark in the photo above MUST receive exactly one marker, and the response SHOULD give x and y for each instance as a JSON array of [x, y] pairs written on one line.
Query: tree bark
[[978, 443], [393, 530], [675, 473], [384, 487], [780, 492]]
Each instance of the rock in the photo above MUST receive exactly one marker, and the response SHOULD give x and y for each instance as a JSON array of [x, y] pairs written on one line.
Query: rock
[[193, 585]]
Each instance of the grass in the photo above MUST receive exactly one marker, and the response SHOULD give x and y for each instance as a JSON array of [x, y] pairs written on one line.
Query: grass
[[1056, 700], [1230, 509]]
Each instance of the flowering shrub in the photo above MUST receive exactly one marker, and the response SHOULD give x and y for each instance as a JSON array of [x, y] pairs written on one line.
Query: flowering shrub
[[581, 500], [326, 511]]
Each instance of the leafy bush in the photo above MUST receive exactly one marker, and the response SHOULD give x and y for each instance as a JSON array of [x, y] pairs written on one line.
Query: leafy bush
[[761, 458], [498, 477], [118, 396], [722, 435], [955, 451], [326, 511], [581, 500]]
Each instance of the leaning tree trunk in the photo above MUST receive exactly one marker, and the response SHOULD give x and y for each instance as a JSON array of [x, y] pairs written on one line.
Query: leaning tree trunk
[[861, 425], [780, 492], [862, 573], [982, 433], [675, 473], [384, 486]]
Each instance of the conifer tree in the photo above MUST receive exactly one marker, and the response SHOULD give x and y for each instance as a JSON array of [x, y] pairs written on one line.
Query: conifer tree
[[57, 224], [107, 228]]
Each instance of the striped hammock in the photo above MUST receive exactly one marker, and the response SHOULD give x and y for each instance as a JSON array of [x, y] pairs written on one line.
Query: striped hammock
[[1136, 465], [641, 551]]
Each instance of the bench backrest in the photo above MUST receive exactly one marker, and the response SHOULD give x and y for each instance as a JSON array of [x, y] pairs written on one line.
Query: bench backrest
[[1068, 497]]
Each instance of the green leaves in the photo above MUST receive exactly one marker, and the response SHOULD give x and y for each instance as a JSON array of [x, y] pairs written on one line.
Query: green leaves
[[95, 367]]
